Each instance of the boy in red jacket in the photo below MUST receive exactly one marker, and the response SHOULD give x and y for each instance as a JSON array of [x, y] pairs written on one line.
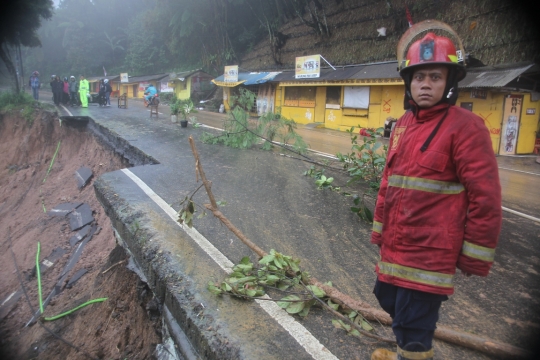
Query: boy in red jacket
[[439, 205]]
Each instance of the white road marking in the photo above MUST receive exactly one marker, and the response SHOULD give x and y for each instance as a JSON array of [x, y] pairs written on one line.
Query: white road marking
[[297, 331], [69, 112], [521, 214], [521, 171]]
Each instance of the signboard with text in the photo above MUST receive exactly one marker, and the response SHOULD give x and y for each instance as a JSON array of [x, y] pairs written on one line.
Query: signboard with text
[[308, 67], [231, 73], [124, 77]]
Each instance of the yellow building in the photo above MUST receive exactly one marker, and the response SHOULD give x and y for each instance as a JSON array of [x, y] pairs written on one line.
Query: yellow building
[[135, 86], [194, 84], [506, 98], [257, 83], [360, 95], [366, 96]]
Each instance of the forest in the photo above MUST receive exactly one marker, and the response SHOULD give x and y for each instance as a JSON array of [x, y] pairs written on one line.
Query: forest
[[153, 36], [156, 36]]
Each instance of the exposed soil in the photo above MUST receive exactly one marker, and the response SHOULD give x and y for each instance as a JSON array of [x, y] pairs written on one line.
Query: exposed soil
[[127, 324]]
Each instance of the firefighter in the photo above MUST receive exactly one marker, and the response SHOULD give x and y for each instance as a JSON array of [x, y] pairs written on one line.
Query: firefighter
[[84, 87], [439, 205]]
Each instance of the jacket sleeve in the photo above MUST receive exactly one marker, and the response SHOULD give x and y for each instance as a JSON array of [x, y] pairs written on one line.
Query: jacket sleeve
[[478, 171], [376, 233]]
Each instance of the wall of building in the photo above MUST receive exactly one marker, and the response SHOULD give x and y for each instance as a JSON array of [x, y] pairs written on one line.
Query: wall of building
[[182, 89], [384, 101]]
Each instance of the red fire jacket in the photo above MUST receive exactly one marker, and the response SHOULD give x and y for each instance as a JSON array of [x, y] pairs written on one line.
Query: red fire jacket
[[441, 208]]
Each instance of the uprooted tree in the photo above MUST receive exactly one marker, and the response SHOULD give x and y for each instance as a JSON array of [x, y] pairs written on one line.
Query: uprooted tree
[[354, 312]]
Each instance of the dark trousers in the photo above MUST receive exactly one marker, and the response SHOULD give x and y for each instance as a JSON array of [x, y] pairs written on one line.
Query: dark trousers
[[35, 93], [414, 314]]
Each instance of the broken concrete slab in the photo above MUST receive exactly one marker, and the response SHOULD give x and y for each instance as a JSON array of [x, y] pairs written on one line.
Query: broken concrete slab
[[76, 277], [83, 175], [63, 275], [80, 217], [81, 234], [9, 303], [63, 209], [49, 261]]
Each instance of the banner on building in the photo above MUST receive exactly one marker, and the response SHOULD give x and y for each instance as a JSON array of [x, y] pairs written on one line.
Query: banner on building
[[165, 87], [143, 85], [231, 73], [308, 67], [124, 77]]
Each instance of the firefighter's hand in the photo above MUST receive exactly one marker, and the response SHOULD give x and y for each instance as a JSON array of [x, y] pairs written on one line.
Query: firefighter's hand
[[466, 274]]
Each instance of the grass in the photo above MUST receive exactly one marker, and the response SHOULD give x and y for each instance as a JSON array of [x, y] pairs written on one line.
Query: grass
[[23, 102]]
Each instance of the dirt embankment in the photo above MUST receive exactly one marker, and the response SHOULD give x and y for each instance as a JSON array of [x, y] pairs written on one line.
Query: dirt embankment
[[127, 323]]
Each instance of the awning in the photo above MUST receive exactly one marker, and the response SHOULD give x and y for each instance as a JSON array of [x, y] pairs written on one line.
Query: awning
[[492, 77], [227, 83], [252, 78], [264, 77]]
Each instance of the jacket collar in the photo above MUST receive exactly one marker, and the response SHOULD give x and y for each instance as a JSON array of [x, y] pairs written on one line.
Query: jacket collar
[[427, 114]]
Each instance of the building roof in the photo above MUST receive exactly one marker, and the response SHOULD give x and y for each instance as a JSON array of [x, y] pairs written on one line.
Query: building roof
[[386, 70], [500, 76], [145, 78], [245, 78], [183, 75], [92, 79]]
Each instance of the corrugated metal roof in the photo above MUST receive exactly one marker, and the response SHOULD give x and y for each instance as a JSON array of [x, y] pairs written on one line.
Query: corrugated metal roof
[[365, 71], [492, 77], [184, 74], [247, 78], [378, 71], [138, 79]]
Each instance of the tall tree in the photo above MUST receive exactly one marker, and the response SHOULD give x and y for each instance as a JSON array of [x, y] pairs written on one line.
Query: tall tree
[[19, 22]]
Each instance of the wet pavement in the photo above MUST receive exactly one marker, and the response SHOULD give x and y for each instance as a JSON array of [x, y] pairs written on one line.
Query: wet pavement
[[275, 206]]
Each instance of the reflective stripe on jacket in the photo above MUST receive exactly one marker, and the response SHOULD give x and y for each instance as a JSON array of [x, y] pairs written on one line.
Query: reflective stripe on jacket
[[441, 208], [83, 85]]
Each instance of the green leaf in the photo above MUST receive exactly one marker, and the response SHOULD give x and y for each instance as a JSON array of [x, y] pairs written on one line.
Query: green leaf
[[251, 292], [225, 287], [245, 261], [295, 307], [366, 326], [354, 332], [285, 304], [266, 259], [272, 279], [332, 305], [352, 314], [318, 292], [283, 286]]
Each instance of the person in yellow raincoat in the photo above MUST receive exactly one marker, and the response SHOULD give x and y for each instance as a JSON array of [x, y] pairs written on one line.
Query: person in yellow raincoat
[[84, 87]]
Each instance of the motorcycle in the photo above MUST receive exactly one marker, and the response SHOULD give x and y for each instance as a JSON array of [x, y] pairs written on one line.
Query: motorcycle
[[154, 100]]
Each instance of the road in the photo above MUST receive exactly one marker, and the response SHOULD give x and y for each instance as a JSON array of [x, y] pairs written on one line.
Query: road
[[520, 176]]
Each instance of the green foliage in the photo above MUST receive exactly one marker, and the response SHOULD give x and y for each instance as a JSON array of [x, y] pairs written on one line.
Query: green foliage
[[281, 272], [361, 209], [367, 160], [243, 132], [11, 101]]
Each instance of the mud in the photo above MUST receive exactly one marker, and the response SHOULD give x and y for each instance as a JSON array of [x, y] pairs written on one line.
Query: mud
[[127, 324]]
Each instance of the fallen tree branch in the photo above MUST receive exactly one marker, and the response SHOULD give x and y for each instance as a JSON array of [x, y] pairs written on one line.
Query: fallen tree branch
[[467, 340]]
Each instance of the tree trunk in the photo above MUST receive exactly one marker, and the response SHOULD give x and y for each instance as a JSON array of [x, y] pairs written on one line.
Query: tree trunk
[[4, 55]]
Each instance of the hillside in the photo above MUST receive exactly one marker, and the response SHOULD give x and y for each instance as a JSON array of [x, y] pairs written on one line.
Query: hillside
[[493, 31]]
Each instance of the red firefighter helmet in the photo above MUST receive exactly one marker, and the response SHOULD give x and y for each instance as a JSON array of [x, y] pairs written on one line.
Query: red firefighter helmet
[[431, 49]]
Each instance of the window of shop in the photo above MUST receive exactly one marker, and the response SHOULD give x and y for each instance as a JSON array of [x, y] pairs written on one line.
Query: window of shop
[[356, 97], [333, 97], [302, 96]]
